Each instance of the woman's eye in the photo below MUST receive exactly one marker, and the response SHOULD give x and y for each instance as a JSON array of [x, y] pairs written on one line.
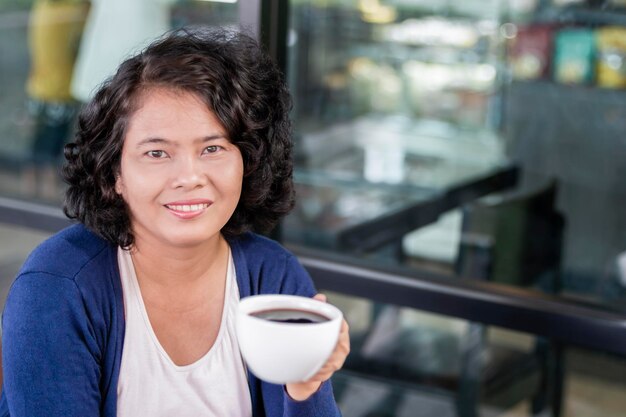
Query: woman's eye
[[212, 149], [156, 154]]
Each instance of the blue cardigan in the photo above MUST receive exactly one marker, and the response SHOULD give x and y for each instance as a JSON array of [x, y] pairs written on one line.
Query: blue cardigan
[[63, 327]]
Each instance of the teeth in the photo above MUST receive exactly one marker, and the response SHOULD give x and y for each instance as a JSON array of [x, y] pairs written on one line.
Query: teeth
[[188, 207]]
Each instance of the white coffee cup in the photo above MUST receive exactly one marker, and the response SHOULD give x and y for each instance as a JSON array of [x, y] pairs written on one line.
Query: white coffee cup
[[283, 352]]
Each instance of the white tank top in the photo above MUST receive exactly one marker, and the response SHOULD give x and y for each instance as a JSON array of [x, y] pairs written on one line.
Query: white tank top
[[150, 384]]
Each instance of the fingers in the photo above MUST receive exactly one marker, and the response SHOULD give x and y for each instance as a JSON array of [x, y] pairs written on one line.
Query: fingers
[[337, 358], [345, 328], [302, 390], [320, 297], [343, 344]]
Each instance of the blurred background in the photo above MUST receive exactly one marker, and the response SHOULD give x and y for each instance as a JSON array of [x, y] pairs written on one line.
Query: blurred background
[[460, 170]]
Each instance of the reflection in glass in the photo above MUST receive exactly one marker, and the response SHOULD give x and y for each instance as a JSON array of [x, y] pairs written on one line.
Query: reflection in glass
[[54, 32], [115, 29]]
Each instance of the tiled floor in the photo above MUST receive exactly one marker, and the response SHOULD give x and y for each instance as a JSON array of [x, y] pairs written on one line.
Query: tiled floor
[[595, 383]]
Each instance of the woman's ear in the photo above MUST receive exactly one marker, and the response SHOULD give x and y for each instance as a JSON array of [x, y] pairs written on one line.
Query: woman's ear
[[119, 186]]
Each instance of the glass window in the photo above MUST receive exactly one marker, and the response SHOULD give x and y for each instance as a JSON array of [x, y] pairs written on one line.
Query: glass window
[[473, 139], [401, 103], [480, 138]]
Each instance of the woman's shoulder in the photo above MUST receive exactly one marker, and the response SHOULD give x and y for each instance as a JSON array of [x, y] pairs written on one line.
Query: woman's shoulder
[[72, 270], [62, 307], [67, 253]]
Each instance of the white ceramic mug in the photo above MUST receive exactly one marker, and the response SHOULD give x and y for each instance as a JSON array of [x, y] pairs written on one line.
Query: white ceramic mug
[[281, 352]]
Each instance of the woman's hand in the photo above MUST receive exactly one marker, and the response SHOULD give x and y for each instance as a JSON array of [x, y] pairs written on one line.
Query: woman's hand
[[300, 391]]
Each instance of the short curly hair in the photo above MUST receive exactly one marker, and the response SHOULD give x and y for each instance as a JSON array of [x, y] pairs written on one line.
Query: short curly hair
[[237, 81]]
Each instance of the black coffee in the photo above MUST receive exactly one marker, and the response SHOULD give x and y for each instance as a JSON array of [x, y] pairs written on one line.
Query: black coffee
[[285, 315]]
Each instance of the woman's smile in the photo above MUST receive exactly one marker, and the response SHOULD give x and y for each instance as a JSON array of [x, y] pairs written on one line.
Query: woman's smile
[[188, 209]]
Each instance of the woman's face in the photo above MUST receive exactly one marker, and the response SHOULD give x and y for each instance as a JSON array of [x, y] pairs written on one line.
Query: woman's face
[[180, 175]]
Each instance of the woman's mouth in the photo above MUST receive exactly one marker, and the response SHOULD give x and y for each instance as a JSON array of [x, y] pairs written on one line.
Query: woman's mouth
[[187, 211], [187, 207]]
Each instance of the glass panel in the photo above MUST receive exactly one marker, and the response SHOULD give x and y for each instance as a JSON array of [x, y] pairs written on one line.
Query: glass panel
[[54, 54], [401, 97], [476, 139], [571, 52]]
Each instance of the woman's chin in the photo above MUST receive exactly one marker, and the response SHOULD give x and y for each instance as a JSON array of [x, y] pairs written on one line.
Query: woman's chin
[[187, 241], [182, 238]]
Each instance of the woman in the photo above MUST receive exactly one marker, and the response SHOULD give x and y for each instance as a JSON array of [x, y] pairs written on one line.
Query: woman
[[182, 154]]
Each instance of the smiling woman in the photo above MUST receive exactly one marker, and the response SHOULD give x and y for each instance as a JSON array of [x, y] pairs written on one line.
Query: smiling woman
[[179, 174], [248, 104], [182, 156]]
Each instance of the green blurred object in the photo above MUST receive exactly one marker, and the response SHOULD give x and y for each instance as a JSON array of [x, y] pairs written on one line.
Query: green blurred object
[[574, 56]]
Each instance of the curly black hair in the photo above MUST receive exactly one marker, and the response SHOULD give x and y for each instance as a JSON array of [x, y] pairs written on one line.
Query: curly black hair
[[237, 81]]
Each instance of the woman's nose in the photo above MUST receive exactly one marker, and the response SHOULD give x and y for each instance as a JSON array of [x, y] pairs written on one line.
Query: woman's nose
[[189, 174]]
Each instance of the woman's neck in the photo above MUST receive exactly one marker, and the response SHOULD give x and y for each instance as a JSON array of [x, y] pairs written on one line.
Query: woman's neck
[[180, 278]]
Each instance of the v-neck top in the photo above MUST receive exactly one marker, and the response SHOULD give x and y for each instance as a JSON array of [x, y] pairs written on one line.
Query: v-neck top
[[151, 384]]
